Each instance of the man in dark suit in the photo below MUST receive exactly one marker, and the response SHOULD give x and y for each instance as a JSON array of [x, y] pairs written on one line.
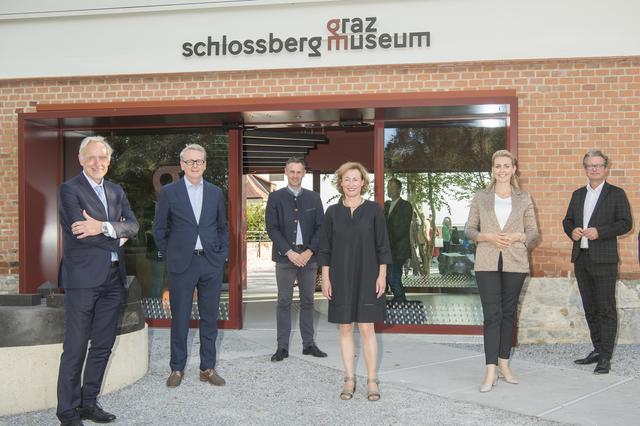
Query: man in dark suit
[[597, 215], [398, 214], [190, 228], [293, 218], [95, 220]]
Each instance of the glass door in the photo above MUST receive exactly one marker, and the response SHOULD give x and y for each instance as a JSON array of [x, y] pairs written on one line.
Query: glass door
[[436, 167]]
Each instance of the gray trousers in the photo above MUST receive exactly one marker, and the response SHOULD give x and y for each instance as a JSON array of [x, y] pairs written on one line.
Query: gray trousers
[[286, 274]]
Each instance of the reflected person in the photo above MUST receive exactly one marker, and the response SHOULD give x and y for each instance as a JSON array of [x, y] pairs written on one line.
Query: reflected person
[[190, 229], [398, 214], [95, 220], [446, 235], [502, 223], [354, 253]]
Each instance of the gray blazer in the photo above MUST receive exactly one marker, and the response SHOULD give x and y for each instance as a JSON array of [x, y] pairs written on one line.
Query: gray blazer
[[482, 218]]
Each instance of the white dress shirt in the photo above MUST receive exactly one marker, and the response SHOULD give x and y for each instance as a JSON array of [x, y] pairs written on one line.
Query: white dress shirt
[[589, 205], [195, 197]]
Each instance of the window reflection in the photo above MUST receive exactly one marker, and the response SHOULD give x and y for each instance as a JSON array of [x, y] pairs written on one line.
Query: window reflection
[[440, 168], [142, 164]]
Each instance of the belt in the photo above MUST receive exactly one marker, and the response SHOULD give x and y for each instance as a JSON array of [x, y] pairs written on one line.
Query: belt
[[115, 263], [199, 252], [299, 247], [586, 250]]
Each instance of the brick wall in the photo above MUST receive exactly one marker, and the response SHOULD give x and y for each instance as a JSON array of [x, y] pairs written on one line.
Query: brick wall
[[565, 108]]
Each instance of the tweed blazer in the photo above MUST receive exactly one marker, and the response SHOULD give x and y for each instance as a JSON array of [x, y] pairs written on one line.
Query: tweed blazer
[[482, 218], [611, 217]]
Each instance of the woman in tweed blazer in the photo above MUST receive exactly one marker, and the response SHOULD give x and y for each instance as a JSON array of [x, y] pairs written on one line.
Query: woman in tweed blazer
[[502, 222]]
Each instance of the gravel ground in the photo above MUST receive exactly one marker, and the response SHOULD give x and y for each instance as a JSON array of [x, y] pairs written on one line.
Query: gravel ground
[[625, 361], [259, 392]]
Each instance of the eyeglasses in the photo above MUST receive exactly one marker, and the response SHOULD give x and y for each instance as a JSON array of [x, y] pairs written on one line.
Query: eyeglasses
[[594, 166], [192, 162]]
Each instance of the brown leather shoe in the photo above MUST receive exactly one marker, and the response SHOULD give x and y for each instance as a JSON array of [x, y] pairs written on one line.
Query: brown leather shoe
[[175, 378], [210, 375]]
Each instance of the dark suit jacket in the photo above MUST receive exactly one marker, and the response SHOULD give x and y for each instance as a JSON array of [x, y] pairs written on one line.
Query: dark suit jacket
[[398, 225], [283, 212], [86, 262], [176, 230], [611, 217]]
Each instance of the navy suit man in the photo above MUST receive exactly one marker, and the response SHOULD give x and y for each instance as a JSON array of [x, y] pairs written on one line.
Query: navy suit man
[[398, 214], [95, 219], [190, 228], [293, 218], [596, 216]]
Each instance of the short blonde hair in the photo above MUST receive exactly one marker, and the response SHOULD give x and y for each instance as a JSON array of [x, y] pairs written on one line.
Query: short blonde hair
[[351, 165], [514, 162]]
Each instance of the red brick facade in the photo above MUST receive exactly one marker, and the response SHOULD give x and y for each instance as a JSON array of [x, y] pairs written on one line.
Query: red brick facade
[[565, 108]]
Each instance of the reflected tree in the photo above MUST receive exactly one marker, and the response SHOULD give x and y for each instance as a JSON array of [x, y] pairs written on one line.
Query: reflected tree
[[438, 164], [137, 158]]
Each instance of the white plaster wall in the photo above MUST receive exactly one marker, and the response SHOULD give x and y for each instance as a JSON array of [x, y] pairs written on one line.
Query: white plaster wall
[[461, 30]]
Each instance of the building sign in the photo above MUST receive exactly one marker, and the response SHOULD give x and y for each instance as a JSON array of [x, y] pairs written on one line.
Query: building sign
[[185, 36], [346, 34]]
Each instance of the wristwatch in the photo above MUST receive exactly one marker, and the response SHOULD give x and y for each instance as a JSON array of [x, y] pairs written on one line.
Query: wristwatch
[[105, 228]]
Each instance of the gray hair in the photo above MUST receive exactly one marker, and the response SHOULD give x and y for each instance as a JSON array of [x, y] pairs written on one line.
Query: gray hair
[[595, 153], [95, 139], [193, 147]]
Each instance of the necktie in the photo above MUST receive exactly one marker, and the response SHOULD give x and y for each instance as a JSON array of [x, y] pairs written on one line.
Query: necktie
[[103, 199], [100, 193]]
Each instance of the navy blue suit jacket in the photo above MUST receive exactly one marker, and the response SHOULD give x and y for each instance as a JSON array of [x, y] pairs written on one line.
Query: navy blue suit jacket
[[611, 217], [175, 228], [86, 262], [282, 215]]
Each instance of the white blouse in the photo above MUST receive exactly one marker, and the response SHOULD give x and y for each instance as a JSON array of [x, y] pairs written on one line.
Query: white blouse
[[502, 207]]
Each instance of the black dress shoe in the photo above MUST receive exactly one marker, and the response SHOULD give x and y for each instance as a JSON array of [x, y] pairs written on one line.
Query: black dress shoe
[[280, 354], [592, 358], [95, 413], [313, 350], [74, 422], [603, 367]]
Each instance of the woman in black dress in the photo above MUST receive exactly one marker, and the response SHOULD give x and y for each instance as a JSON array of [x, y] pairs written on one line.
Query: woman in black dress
[[354, 253]]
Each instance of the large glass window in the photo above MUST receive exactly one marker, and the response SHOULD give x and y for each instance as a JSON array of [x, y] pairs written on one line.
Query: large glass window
[[142, 164], [439, 167]]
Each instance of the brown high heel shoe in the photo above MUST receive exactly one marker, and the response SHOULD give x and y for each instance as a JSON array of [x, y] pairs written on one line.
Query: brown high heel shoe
[[347, 394], [373, 395]]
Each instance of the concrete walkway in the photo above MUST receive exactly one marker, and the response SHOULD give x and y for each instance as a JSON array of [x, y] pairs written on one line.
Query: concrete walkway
[[425, 380]]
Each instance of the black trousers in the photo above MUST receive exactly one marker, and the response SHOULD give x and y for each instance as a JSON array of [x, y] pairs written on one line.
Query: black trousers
[[90, 314], [499, 294], [597, 285], [394, 280]]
